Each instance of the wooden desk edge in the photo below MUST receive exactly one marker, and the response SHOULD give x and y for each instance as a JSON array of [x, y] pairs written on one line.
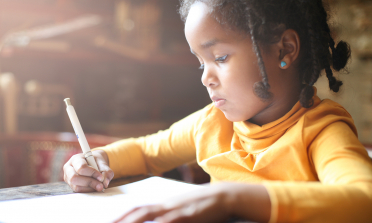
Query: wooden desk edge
[[52, 189]]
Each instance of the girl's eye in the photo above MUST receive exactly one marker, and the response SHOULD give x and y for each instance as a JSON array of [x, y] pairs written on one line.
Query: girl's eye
[[221, 59]]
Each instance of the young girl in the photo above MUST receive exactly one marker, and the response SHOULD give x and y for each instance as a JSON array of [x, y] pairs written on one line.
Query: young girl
[[288, 155]]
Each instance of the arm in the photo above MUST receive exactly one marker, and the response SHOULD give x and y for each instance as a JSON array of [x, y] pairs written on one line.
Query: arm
[[158, 152], [210, 204], [344, 193], [155, 153]]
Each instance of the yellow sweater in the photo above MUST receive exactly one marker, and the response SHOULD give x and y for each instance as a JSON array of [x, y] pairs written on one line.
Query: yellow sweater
[[310, 160]]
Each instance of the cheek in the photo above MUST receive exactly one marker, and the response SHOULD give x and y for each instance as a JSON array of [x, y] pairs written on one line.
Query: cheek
[[240, 86], [247, 67], [243, 77]]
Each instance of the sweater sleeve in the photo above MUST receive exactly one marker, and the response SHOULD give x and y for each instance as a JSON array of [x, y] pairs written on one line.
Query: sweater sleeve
[[344, 193], [155, 153]]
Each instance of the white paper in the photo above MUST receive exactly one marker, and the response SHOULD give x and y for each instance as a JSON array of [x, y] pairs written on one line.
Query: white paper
[[369, 153], [93, 207]]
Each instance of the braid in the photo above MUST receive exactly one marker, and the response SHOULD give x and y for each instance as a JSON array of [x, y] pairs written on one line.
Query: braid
[[261, 88], [320, 40], [340, 55], [334, 84], [312, 76], [265, 22]]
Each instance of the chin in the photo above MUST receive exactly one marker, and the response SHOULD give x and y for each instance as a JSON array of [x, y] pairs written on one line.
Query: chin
[[233, 118]]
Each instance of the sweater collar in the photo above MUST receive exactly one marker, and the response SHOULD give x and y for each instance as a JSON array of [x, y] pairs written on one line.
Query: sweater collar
[[255, 138]]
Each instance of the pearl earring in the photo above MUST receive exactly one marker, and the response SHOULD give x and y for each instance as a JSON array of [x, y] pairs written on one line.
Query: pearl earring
[[283, 64]]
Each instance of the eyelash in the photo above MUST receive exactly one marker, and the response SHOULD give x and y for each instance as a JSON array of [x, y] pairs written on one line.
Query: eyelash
[[219, 59]]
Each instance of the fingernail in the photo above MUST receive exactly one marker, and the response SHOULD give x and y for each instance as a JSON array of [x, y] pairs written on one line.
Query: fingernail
[[100, 178], [106, 183], [99, 187]]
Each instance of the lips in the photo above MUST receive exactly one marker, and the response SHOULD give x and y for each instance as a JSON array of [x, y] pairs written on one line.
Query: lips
[[218, 102]]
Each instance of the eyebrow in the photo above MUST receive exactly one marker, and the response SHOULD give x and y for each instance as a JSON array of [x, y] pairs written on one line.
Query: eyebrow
[[208, 44]]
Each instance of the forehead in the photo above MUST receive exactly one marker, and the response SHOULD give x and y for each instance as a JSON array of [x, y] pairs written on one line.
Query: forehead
[[201, 27]]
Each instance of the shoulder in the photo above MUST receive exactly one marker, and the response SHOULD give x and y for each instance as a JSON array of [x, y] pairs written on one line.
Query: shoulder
[[328, 129], [212, 117], [328, 107], [211, 112], [205, 116], [326, 113], [209, 119], [201, 114], [321, 119]]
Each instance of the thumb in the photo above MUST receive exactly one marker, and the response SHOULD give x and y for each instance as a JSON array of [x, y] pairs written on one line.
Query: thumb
[[106, 171], [98, 175]]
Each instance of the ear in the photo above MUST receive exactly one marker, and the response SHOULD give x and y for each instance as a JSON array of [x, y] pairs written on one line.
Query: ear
[[289, 48]]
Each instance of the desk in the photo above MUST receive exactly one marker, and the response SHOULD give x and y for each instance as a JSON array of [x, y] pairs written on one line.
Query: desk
[[51, 189], [61, 188]]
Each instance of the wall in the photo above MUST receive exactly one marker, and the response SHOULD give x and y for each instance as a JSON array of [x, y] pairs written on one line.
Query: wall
[[352, 22]]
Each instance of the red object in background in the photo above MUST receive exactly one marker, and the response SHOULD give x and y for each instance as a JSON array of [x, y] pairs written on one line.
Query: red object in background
[[34, 158]]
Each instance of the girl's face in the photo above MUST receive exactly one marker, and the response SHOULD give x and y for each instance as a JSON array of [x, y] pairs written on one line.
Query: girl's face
[[229, 65]]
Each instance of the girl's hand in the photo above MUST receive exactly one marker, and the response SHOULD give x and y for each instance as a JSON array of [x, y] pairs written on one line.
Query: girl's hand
[[83, 178], [211, 204]]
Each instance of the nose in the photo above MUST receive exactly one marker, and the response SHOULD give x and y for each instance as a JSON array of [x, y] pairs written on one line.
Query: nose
[[209, 79]]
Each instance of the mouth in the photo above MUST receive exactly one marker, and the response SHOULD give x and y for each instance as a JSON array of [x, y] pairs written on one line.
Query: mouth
[[218, 102]]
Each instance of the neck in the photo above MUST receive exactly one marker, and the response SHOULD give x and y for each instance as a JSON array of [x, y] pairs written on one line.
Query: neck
[[278, 107]]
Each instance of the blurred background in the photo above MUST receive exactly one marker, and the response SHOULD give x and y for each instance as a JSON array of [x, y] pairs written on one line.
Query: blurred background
[[119, 61], [128, 70]]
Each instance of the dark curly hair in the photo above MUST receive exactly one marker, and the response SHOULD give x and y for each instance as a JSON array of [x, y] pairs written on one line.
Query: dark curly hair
[[266, 20]]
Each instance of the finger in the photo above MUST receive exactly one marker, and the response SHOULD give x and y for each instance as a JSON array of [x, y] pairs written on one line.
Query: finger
[[106, 172], [80, 189], [82, 168], [179, 216], [126, 214], [183, 214], [107, 177], [101, 162], [87, 182], [69, 173], [74, 179], [106, 181], [65, 167], [104, 167], [203, 211], [142, 214]]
